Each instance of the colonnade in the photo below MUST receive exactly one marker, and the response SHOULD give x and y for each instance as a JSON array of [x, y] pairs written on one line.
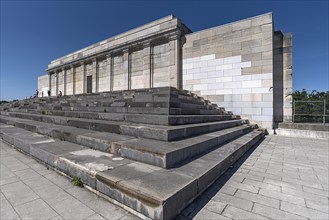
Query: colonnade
[[56, 83]]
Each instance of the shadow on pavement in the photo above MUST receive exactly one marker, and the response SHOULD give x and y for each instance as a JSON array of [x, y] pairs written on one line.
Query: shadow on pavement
[[192, 210]]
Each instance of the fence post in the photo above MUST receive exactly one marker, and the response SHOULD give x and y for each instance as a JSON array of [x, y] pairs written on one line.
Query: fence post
[[324, 111]]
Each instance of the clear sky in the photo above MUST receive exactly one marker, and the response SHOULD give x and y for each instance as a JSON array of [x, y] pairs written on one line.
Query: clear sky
[[35, 32]]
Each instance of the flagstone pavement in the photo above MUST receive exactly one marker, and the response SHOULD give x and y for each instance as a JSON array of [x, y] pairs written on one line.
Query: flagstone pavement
[[281, 178]]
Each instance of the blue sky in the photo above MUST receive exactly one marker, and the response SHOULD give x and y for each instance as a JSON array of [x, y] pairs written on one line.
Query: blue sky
[[35, 32]]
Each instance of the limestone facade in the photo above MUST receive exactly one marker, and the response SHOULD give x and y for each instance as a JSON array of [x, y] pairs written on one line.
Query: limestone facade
[[244, 66]]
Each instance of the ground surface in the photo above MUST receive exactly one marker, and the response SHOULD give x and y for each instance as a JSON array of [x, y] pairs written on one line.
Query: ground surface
[[282, 178]]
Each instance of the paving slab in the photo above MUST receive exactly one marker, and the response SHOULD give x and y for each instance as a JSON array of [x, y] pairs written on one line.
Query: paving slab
[[40, 198], [296, 200]]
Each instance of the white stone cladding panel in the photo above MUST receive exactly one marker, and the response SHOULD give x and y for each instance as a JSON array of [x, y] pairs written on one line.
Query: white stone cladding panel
[[43, 85], [69, 76], [137, 70], [104, 76], [79, 79], [252, 84], [69, 89], [119, 82], [242, 93], [163, 65]]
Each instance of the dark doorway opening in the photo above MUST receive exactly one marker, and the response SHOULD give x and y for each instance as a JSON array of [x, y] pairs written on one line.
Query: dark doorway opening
[[89, 84]]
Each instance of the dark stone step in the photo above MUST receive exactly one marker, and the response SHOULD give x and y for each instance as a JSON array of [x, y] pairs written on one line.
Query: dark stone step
[[164, 133]]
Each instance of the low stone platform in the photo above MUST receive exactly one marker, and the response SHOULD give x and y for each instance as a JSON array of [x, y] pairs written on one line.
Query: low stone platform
[[155, 167], [304, 130]]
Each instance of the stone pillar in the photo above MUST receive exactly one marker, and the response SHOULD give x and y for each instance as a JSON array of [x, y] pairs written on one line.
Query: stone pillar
[[73, 79], [84, 77], [126, 69], [147, 68], [95, 75], [287, 77], [177, 74], [64, 81], [49, 84], [109, 70], [56, 80]]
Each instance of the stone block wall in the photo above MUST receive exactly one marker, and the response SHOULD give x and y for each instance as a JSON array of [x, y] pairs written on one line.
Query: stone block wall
[[163, 65], [103, 74], [138, 78], [232, 66]]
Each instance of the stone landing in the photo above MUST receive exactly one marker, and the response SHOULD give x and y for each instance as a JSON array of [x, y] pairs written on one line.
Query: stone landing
[[304, 130]]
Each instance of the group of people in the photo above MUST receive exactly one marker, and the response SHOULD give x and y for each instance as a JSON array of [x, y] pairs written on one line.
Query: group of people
[[60, 94]]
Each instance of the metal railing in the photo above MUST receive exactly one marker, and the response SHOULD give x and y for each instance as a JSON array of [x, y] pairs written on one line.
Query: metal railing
[[310, 111]]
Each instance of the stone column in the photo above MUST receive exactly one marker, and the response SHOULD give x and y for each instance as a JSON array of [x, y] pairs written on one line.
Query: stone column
[[64, 81], [49, 84], [147, 68], [95, 75], [84, 80], [126, 69], [73, 78], [109, 70], [287, 77], [177, 72], [56, 81]]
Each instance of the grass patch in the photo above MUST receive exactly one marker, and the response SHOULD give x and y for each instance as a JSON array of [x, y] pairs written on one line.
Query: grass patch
[[77, 181]]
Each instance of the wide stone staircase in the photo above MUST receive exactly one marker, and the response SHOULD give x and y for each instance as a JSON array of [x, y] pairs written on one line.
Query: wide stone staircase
[[152, 151]]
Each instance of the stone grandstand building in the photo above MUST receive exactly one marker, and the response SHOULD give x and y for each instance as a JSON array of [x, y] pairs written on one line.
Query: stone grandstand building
[[244, 66]]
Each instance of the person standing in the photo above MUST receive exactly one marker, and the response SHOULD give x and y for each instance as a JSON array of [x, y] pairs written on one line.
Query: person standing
[[36, 93]]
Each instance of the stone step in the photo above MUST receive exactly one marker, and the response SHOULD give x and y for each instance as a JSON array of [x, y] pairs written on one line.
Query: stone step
[[157, 132], [129, 118], [124, 109], [112, 113], [129, 98], [106, 106], [158, 153], [173, 154], [155, 192]]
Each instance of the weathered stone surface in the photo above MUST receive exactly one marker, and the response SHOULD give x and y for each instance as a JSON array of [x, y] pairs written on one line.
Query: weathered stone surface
[[48, 152], [155, 192]]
